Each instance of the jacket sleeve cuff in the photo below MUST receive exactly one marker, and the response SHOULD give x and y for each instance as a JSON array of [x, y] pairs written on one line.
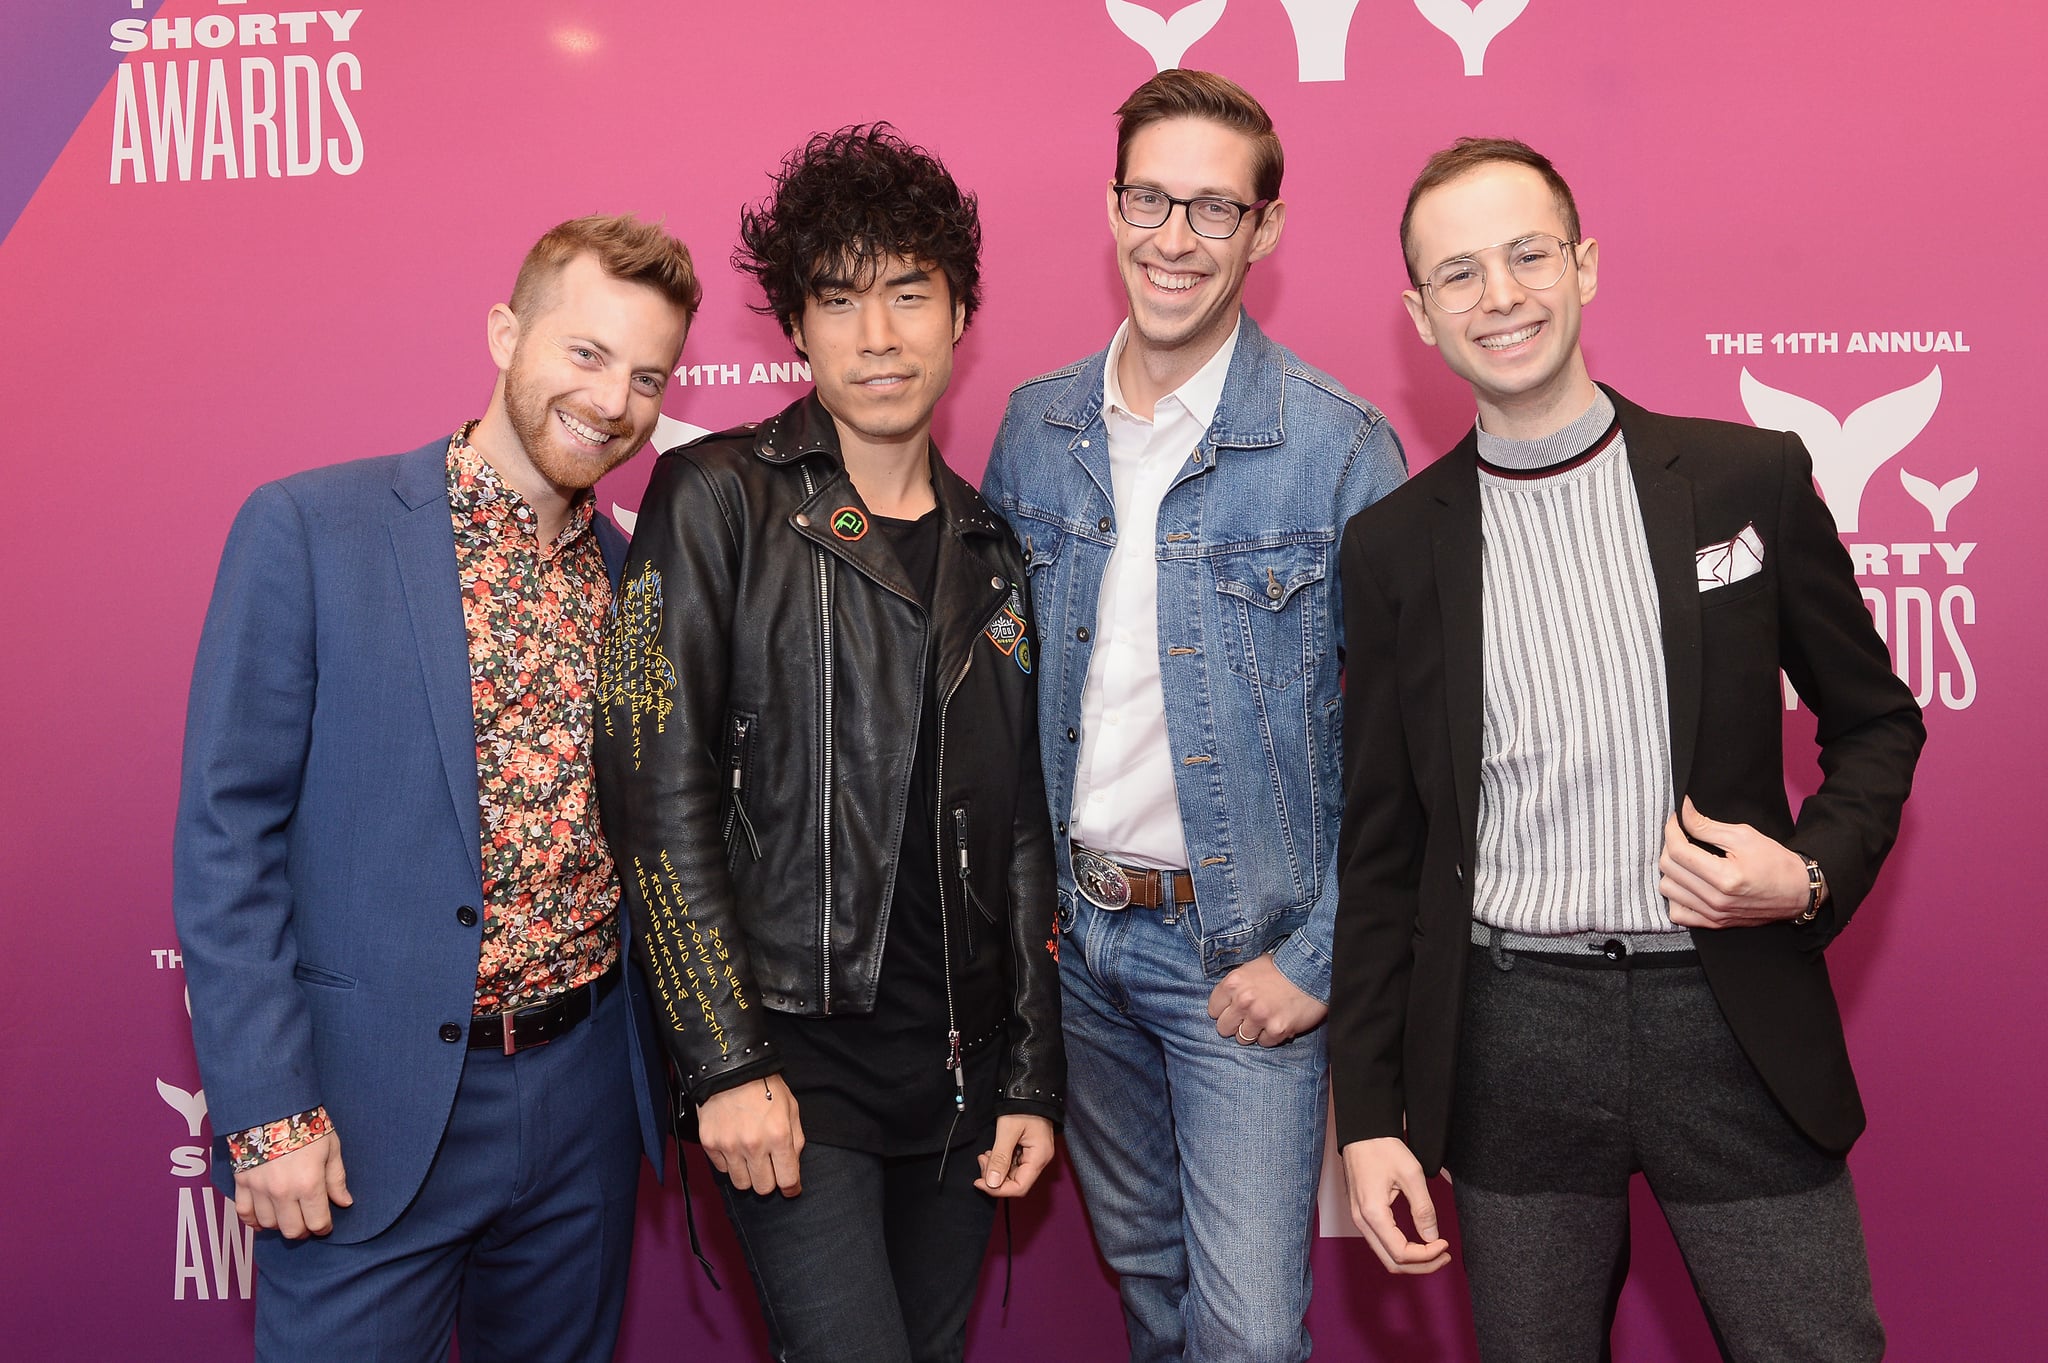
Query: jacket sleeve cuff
[[1306, 968], [733, 1078], [1056, 1113]]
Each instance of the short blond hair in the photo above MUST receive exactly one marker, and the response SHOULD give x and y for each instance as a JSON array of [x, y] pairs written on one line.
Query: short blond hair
[[623, 246]]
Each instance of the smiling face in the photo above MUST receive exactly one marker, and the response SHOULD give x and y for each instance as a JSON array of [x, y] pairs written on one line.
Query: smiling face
[[1519, 347], [580, 380], [881, 355], [1185, 289]]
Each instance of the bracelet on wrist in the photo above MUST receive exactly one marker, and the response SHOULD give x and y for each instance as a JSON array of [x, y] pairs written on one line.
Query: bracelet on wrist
[[1816, 886]]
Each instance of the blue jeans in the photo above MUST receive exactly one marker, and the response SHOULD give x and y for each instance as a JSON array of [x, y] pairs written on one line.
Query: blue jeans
[[875, 1261], [1198, 1157]]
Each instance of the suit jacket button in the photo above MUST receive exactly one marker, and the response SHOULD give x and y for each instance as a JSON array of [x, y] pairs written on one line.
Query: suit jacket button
[[450, 1032], [466, 916]]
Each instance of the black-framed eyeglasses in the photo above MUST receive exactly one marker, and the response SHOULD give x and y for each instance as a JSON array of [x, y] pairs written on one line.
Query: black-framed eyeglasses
[[1209, 215], [1536, 262]]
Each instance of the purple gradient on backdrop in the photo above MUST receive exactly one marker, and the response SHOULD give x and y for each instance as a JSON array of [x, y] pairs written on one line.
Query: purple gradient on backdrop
[[56, 62]]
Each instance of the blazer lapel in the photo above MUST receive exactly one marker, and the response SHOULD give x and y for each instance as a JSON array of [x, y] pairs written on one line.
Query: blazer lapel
[[1665, 496], [1456, 546], [612, 543], [423, 537]]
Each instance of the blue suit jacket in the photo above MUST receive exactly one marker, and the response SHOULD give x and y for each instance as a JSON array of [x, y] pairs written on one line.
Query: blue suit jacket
[[327, 827]]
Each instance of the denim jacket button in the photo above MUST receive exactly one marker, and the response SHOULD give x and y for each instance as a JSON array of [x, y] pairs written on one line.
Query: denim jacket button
[[1102, 524], [1082, 634]]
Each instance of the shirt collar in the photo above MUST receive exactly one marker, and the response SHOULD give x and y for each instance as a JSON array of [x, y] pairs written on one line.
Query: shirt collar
[[1199, 396], [485, 507]]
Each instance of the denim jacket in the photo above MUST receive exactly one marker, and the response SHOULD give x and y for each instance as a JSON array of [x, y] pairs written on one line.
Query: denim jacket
[[1250, 624]]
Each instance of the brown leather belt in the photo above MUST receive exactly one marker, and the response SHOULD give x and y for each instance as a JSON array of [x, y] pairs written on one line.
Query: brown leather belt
[[539, 1023], [1148, 888]]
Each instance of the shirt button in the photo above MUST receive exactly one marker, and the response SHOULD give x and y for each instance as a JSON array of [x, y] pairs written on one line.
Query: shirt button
[[1102, 524], [450, 1032], [1082, 634], [466, 916]]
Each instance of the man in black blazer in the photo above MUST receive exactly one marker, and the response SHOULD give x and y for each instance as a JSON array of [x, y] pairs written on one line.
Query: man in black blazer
[[1581, 931]]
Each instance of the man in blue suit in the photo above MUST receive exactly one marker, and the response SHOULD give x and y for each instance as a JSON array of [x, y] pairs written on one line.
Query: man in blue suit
[[398, 912]]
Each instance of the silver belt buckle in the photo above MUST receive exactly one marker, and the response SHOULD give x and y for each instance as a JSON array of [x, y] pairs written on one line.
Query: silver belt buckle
[[1101, 881]]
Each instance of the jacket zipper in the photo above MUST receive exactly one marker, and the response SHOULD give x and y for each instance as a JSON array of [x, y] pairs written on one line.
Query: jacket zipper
[[966, 876], [824, 578], [953, 1061], [736, 816]]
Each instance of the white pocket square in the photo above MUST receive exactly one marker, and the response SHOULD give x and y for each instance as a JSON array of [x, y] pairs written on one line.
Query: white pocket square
[[1731, 560]]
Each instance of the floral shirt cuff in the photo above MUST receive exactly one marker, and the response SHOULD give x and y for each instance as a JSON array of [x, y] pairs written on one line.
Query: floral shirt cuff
[[260, 1144]]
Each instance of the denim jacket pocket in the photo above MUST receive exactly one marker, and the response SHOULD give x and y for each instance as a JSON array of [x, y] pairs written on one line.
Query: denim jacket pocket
[[1273, 605], [1041, 545]]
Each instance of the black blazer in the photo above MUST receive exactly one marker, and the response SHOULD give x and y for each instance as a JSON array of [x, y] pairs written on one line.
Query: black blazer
[[1412, 715]]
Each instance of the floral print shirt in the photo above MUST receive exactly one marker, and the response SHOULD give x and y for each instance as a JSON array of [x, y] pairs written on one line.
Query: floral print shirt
[[534, 614]]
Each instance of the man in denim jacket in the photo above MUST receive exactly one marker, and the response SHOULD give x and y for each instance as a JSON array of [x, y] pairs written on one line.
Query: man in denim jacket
[[1179, 497]]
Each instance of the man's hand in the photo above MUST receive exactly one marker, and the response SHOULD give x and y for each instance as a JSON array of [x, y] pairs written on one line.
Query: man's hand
[[291, 1194], [1256, 1003], [753, 1136], [1759, 880], [1377, 1171], [1022, 1150]]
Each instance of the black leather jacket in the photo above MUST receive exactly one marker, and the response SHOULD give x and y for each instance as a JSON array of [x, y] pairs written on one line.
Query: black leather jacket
[[758, 710]]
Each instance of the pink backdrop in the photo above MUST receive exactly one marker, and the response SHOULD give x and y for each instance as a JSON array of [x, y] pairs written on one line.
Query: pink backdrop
[[1773, 184]]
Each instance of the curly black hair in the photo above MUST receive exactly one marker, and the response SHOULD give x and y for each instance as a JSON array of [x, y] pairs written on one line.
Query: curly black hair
[[844, 202]]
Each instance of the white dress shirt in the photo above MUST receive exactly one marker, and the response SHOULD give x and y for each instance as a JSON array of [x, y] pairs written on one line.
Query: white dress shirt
[[1124, 801]]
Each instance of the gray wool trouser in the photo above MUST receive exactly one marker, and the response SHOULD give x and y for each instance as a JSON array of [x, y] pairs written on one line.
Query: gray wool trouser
[[1574, 1076]]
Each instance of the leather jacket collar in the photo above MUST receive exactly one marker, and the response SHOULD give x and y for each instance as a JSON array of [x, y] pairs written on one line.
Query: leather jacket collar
[[805, 429]]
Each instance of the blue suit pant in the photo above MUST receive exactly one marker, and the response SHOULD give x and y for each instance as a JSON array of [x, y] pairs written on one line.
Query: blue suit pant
[[519, 1237]]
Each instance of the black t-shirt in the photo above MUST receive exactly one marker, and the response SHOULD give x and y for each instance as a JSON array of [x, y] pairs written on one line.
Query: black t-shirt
[[879, 1082]]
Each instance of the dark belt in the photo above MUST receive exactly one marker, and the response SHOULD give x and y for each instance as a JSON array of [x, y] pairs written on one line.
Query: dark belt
[[1584, 951], [539, 1023], [1149, 888]]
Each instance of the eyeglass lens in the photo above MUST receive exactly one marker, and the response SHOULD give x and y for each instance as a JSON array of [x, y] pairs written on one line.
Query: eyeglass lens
[[1214, 218], [1536, 263]]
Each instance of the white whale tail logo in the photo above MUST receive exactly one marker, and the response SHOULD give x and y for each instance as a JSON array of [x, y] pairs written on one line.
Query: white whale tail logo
[[1472, 27], [1167, 39], [1941, 500], [190, 1106], [668, 433], [1846, 453], [1321, 29]]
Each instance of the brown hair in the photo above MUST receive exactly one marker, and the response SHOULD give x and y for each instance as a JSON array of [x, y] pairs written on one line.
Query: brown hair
[[625, 248], [1178, 93], [1468, 154]]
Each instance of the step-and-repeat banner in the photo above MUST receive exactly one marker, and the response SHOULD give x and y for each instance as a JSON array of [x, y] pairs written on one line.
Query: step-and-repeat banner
[[242, 240]]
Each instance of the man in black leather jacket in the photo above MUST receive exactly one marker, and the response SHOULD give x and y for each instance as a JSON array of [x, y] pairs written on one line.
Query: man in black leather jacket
[[818, 766]]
